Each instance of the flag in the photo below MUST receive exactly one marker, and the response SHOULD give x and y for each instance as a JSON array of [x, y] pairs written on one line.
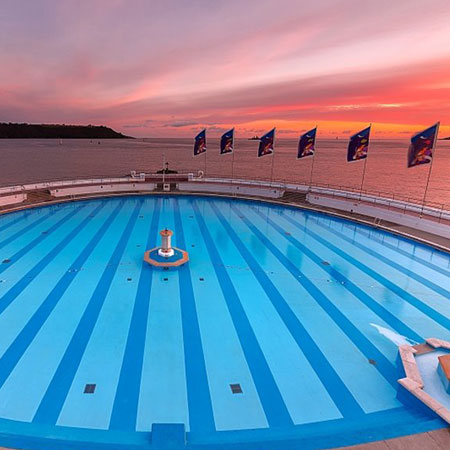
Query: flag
[[200, 143], [227, 142], [266, 144], [358, 145], [421, 148], [306, 144]]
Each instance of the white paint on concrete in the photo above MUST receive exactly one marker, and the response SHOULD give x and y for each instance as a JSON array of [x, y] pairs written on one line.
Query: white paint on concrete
[[96, 189], [231, 189], [12, 199]]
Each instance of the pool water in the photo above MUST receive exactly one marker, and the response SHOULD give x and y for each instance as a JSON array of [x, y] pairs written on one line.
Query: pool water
[[302, 311]]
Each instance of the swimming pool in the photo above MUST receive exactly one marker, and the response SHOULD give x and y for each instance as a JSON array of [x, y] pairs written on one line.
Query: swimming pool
[[280, 332]]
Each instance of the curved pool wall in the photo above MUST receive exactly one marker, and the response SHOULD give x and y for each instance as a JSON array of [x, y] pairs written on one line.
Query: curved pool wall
[[304, 311]]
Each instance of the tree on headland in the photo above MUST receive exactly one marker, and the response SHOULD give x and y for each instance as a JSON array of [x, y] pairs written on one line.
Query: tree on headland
[[57, 131]]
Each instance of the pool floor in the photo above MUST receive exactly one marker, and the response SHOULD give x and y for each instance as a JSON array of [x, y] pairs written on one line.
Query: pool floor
[[280, 332]]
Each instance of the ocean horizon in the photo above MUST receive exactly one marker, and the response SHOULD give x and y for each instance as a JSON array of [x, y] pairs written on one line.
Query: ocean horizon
[[33, 160]]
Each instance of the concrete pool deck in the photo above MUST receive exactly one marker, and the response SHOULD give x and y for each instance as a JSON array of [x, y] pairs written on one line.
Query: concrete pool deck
[[432, 440]]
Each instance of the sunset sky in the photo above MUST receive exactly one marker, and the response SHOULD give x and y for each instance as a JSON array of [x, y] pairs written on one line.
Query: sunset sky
[[170, 67]]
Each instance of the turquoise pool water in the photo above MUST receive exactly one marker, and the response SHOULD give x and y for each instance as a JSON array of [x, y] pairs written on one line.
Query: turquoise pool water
[[300, 310]]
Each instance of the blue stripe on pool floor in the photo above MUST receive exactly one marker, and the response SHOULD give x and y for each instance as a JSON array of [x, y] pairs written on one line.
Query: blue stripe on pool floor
[[378, 309], [24, 230], [406, 296], [13, 221], [163, 390], [339, 392], [29, 331], [103, 356], [24, 250], [219, 337], [385, 367], [409, 273], [50, 406], [293, 373], [26, 280], [376, 238], [124, 412], [201, 417], [273, 404]]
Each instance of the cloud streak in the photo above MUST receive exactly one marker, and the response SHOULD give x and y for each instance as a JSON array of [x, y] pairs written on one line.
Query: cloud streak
[[184, 64]]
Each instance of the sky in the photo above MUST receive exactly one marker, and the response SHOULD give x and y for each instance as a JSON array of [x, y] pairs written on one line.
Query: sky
[[157, 68]]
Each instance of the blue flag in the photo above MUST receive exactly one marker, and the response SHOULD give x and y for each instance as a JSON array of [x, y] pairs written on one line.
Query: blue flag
[[358, 145], [307, 144], [227, 142], [266, 145], [421, 148], [200, 143]]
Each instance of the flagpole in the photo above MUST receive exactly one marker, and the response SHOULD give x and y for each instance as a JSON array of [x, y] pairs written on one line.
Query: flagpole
[[312, 170], [232, 158], [163, 172], [429, 172], [271, 171], [232, 166], [313, 159], [363, 176], [364, 169], [273, 157]]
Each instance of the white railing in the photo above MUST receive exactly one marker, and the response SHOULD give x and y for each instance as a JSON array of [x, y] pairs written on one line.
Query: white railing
[[407, 205]]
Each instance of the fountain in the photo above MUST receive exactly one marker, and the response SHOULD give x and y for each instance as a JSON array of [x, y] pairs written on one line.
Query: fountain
[[166, 256]]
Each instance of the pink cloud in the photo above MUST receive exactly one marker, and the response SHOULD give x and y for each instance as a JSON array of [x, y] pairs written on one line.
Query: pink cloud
[[216, 63]]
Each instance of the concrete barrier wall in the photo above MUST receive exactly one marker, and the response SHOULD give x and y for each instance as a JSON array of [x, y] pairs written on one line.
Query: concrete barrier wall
[[231, 189], [12, 199], [83, 190], [380, 201], [398, 217]]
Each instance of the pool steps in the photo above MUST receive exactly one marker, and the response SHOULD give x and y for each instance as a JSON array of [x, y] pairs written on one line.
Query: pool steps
[[413, 382]]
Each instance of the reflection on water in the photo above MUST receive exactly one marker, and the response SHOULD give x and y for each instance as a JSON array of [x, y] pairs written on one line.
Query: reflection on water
[[394, 337]]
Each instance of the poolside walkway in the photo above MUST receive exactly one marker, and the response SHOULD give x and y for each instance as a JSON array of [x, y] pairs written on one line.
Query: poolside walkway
[[433, 440]]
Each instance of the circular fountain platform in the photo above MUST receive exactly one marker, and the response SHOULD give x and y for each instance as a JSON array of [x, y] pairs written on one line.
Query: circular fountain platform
[[177, 258]]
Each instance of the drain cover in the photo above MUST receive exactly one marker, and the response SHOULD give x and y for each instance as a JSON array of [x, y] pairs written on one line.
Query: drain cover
[[236, 388], [90, 388]]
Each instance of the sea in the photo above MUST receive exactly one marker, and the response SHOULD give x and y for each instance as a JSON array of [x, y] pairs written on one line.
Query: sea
[[34, 160]]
